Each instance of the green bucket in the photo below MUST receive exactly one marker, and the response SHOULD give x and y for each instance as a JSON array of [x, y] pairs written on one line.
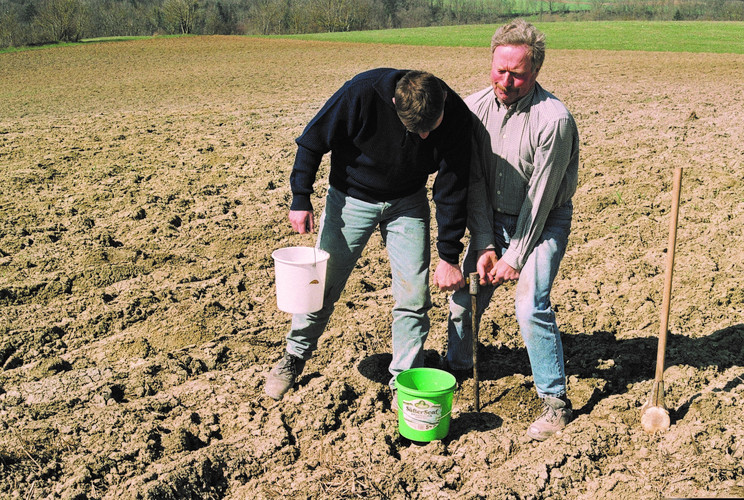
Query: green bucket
[[424, 403]]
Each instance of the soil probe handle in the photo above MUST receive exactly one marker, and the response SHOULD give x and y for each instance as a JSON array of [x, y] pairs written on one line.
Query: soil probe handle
[[474, 281], [657, 397]]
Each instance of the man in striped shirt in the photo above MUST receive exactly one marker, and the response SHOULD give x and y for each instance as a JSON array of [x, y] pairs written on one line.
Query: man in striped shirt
[[523, 177]]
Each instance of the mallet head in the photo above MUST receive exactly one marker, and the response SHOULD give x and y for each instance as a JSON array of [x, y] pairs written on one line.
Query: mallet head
[[474, 282], [654, 419]]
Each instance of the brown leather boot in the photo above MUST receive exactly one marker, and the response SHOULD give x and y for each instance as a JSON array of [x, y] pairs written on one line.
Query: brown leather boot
[[282, 377], [556, 414]]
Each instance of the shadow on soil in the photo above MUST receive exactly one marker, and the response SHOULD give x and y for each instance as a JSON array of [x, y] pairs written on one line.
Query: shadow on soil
[[596, 355]]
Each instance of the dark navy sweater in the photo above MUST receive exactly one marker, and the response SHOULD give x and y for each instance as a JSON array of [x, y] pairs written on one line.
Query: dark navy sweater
[[374, 158]]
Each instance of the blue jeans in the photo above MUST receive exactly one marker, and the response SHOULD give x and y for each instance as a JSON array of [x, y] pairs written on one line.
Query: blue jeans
[[532, 303], [345, 228]]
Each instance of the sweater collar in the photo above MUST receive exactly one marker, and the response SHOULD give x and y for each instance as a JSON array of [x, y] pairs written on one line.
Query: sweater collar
[[385, 85]]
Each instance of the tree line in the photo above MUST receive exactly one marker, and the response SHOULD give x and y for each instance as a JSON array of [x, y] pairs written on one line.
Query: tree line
[[34, 22]]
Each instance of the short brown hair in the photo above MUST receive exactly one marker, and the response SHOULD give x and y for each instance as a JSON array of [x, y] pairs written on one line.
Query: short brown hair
[[419, 100], [520, 32]]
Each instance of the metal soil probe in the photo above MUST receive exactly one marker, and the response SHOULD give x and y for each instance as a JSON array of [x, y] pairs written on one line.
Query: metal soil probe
[[474, 280], [654, 414]]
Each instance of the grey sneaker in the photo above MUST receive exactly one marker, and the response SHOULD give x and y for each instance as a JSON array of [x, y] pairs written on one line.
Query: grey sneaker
[[557, 413], [282, 377]]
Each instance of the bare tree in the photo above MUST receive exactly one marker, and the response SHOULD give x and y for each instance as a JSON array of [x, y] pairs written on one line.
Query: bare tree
[[267, 15], [329, 15], [180, 14], [9, 27], [60, 20]]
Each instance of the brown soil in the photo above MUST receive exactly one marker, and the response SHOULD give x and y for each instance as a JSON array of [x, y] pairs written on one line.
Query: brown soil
[[144, 185]]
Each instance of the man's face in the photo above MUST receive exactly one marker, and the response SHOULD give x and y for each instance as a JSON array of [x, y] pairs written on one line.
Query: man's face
[[512, 76]]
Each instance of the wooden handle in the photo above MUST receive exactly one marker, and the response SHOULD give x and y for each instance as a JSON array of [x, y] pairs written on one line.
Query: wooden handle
[[666, 299], [476, 382], [474, 281]]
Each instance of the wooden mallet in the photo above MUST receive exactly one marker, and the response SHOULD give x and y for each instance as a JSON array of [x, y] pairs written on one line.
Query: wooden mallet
[[654, 414]]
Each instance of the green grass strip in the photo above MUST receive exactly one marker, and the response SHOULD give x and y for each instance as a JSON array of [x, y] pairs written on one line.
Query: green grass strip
[[652, 36]]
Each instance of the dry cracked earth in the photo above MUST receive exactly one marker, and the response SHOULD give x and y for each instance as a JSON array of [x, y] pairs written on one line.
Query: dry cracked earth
[[145, 184]]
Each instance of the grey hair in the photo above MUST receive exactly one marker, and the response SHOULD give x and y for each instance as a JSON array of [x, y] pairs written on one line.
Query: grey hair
[[520, 32]]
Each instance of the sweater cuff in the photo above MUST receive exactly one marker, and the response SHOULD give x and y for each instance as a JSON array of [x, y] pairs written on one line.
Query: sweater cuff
[[482, 241], [448, 253], [301, 202]]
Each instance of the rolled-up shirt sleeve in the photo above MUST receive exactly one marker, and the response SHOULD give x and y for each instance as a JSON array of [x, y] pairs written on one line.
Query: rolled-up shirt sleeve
[[558, 148]]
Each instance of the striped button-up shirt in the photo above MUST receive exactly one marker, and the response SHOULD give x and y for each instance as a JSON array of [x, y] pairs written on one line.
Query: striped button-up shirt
[[525, 164]]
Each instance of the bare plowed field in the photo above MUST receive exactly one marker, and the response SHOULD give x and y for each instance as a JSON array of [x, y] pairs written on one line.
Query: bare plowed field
[[144, 185]]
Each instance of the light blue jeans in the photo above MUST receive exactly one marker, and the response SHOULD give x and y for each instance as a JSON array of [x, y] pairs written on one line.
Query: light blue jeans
[[532, 303], [345, 228]]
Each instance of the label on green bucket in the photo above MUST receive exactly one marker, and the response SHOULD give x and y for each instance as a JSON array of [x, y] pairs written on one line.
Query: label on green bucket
[[421, 415]]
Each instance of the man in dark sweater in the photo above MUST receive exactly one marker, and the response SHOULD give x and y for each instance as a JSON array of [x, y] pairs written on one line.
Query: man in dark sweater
[[387, 130]]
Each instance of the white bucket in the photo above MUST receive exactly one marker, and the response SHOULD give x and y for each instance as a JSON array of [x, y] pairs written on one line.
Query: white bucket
[[300, 278]]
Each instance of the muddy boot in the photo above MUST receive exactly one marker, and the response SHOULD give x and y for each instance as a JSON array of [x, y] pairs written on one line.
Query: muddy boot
[[282, 377], [556, 414]]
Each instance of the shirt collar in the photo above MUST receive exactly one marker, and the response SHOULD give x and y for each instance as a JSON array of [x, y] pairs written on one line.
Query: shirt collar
[[518, 106]]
